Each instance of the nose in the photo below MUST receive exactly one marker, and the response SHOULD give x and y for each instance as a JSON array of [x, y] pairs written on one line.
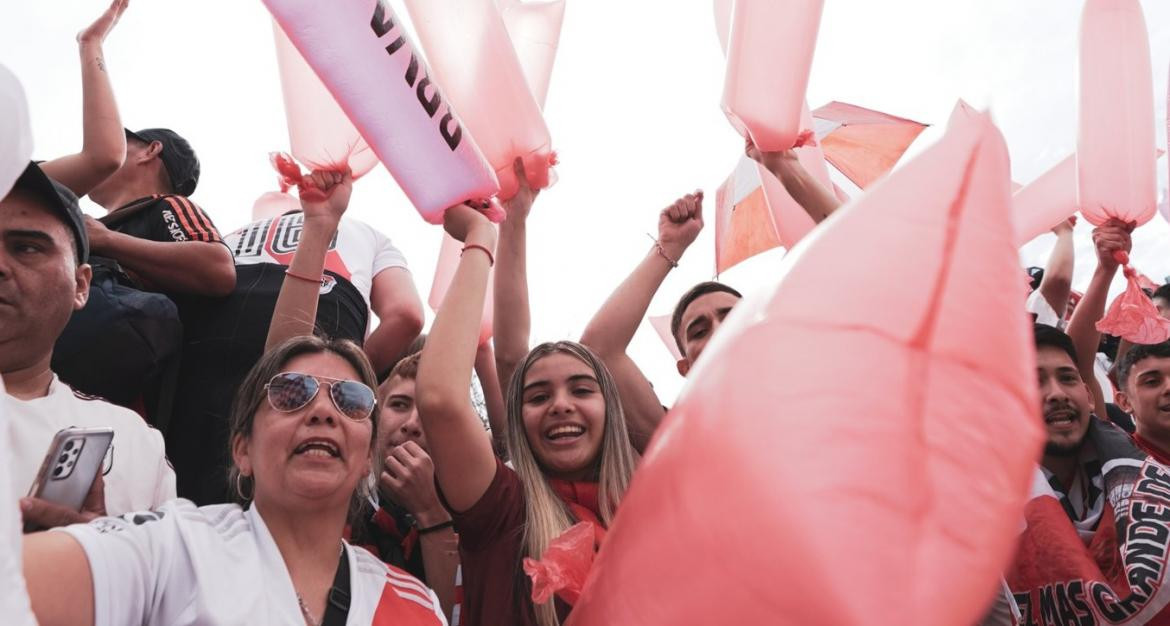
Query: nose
[[561, 402], [412, 427], [321, 409], [1051, 391]]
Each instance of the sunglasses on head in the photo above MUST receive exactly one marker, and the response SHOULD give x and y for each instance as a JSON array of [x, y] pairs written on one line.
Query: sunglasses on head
[[293, 391]]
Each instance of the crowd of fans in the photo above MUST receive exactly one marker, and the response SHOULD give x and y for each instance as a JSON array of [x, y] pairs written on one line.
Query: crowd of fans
[[246, 363]]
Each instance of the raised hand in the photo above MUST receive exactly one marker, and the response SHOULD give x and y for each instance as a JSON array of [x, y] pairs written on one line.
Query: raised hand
[[1113, 243], [96, 32], [464, 222], [679, 224], [325, 194], [519, 204]]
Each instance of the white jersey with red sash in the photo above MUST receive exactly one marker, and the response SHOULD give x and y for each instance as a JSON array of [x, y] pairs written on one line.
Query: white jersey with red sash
[[1117, 574], [218, 564]]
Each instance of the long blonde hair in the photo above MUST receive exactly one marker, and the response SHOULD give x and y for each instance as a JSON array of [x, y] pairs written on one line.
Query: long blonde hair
[[546, 514]]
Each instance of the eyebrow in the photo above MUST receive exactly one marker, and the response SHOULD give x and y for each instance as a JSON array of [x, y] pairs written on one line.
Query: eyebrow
[[572, 379], [30, 234], [400, 396]]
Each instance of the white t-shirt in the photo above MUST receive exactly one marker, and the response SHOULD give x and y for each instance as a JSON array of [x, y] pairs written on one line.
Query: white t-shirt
[[140, 477], [358, 252], [13, 597], [219, 565], [1038, 305]]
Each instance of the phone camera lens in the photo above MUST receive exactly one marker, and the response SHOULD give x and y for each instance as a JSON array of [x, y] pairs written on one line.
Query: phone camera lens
[[57, 471], [63, 459], [69, 445]]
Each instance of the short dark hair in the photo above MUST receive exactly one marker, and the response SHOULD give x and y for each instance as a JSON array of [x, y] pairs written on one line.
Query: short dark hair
[[1138, 353], [1051, 337], [694, 293], [406, 368], [1162, 292]]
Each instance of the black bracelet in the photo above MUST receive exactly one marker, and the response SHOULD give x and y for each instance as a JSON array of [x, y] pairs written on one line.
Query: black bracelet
[[431, 529]]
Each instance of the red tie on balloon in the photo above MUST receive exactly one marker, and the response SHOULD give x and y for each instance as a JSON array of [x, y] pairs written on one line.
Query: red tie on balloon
[[1133, 316]]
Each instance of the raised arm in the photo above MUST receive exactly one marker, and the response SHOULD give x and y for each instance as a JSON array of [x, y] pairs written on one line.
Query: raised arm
[[464, 462], [1082, 328], [493, 396], [612, 328], [511, 318], [1057, 282], [808, 192], [395, 301], [103, 147], [324, 203]]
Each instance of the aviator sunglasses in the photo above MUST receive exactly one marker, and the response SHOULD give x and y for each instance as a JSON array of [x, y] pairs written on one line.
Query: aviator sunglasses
[[292, 391]]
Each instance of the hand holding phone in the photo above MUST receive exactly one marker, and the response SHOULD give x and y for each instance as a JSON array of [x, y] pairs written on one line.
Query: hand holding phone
[[69, 488], [42, 514]]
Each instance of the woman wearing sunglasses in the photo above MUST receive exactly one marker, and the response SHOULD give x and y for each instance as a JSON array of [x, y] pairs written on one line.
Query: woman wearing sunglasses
[[302, 438], [566, 437]]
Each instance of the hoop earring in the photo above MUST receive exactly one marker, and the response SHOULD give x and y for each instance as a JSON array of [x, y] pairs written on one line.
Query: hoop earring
[[240, 489]]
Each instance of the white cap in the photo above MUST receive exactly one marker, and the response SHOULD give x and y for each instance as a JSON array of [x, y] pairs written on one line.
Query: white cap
[[16, 143]]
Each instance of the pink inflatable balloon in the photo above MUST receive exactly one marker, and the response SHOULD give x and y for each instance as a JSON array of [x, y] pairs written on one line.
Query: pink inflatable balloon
[[320, 134], [272, 204], [1046, 201], [493, 97], [856, 473], [1116, 172], [449, 252], [364, 57], [535, 31], [769, 56]]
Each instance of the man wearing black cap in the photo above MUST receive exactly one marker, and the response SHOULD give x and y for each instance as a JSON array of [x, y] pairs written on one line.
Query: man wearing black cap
[[44, 278], [150, 212]]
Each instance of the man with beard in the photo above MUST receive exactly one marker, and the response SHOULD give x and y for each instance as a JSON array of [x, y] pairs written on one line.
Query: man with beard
[[1072, 468], [1095, 541]]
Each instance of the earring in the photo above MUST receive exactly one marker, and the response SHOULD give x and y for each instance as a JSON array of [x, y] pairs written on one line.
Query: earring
[[240, 488]]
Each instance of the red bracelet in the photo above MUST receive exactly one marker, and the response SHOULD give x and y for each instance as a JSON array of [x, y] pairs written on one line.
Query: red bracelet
[[288, 271], [476, 246]]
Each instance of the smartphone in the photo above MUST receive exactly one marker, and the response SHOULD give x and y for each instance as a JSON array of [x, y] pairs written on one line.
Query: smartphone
[[73, 461]]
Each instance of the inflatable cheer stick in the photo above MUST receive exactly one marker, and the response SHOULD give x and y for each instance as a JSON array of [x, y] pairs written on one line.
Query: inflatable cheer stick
[[769, 56], [492, 96], [361, 53], [1116, 169]]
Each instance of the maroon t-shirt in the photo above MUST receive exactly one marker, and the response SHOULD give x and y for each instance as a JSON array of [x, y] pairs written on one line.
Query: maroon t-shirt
[[491, 534]]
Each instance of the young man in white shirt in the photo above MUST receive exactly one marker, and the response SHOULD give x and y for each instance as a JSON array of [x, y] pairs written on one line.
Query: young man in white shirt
[[44, 277]]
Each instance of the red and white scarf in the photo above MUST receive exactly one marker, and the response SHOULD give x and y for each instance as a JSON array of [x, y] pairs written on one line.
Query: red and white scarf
[[1118, 575]]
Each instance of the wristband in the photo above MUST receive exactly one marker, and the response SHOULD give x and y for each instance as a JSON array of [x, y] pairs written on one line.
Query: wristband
[[476, 246], [436, 527], [658, 246], [288, 272]]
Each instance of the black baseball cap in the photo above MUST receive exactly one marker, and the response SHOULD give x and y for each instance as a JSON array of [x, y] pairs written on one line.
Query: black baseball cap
[[1037, 275], [61, 200], [177, 156]]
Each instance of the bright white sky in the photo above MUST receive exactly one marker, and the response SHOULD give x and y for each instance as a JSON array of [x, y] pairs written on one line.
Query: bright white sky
[[633, 109]]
